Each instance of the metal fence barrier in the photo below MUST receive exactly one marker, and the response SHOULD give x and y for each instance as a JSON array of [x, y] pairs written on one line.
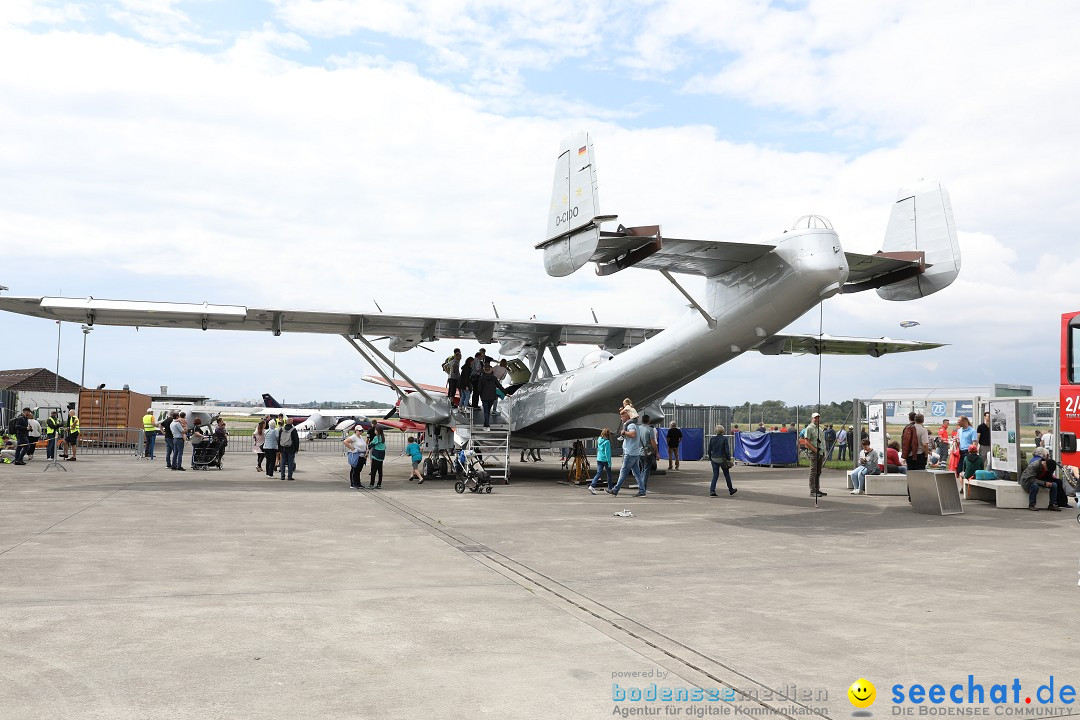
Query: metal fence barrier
[[130, 441]]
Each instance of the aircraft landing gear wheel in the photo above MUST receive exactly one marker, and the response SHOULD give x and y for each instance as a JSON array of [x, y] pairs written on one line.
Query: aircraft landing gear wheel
[[459, 486], [488, 489], [444, 468], [427, 469]]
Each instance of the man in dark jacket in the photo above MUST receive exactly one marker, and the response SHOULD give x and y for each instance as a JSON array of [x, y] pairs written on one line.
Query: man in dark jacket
[[720, 457], [288, 444], [489, 388], [674, 438], [22, 436], [1037, 475]]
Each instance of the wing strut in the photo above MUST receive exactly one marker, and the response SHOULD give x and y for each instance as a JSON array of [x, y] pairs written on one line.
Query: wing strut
[[708, 318], [534, 372], [392, 366], [372, 363], [558, 359]]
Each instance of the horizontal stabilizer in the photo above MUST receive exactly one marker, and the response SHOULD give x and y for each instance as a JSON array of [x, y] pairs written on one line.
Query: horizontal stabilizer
[[829, 345]]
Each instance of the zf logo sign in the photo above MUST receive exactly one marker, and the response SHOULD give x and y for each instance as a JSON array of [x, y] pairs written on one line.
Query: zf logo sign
[[937, 409]]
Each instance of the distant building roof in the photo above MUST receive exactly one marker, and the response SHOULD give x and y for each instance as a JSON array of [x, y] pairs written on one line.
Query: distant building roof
[[929, 393], [37, 380], [193, 399]]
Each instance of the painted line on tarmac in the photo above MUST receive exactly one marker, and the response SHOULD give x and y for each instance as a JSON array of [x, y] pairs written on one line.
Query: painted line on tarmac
[[632, 634]]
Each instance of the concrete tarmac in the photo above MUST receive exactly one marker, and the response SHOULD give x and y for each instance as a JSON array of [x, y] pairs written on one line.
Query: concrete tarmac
[[128, 591]]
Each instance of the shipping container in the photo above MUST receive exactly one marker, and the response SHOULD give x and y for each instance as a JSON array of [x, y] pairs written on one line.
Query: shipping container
[[101, 409]]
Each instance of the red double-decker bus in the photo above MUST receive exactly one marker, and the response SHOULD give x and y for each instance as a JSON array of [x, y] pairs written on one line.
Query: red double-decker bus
[[1069, 391]]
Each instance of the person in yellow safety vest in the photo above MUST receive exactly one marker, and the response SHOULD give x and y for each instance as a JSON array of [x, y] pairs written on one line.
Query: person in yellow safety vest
[[71, 442], [280, 421], [149, 433], [52, 432]]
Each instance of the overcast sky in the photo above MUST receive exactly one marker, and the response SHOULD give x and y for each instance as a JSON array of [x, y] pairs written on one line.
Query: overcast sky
[[327, 155]]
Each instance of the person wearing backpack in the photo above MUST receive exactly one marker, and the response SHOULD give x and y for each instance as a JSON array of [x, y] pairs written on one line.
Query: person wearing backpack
[[288, 444], [649, 448], [479, 362], [452, 368]]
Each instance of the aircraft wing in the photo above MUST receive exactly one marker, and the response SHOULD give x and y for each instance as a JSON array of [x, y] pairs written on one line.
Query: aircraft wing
[[829, 345], [411, 329]]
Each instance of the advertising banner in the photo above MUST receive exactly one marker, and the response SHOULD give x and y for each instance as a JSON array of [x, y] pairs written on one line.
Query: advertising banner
[[875, 422], [1005, 435]]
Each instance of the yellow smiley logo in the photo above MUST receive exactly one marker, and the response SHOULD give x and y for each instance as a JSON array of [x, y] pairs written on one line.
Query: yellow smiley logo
[[862, 693]]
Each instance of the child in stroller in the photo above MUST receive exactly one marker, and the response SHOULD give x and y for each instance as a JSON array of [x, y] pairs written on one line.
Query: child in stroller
[[470, 472], [207, 451]]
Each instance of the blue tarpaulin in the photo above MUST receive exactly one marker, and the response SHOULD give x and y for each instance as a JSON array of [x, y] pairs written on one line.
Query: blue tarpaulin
[[692, 446], [771, 448]]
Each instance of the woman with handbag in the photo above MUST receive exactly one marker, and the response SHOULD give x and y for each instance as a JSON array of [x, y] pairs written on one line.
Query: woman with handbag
[[356, 452], [720, 457]]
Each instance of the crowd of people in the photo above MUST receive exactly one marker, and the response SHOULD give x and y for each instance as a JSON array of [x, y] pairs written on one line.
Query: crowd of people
[[964, 450], [24, 432], [477, 380], [640, 450]]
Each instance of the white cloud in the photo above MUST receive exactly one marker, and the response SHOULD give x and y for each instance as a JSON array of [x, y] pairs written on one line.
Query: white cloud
[[136, 168], [26, 12]]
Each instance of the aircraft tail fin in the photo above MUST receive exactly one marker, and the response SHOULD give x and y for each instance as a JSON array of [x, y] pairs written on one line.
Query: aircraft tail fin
[[269, 401], [922, 221], [573, 229]]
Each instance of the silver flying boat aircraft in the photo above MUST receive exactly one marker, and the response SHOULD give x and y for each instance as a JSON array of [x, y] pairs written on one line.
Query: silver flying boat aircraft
[[752, 292]]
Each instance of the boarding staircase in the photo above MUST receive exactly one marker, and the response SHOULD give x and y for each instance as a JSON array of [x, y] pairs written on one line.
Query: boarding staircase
[[492, 444]]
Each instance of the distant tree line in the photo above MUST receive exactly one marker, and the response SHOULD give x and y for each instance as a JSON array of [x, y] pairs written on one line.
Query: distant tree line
[[777, 412], [318, 404]]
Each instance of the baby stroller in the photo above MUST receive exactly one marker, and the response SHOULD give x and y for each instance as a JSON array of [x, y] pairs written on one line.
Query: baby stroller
[[470, 473], [207, 454]]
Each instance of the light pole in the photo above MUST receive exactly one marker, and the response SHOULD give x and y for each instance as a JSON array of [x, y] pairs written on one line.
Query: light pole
[[85, 331]]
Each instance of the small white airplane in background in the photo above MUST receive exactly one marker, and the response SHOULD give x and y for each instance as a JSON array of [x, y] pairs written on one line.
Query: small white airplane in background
[[310, 423], [752, 292]]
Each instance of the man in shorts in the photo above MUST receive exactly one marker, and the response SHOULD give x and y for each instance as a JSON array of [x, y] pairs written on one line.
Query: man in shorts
[[415, 454], [71, 441]]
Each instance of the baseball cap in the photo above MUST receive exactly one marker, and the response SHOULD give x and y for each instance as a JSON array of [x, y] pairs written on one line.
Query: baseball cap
[[816, 415], [975, 448], [1041, 452]]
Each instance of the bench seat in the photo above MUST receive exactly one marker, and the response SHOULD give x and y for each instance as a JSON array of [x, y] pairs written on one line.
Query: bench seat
[[1003, 493]]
